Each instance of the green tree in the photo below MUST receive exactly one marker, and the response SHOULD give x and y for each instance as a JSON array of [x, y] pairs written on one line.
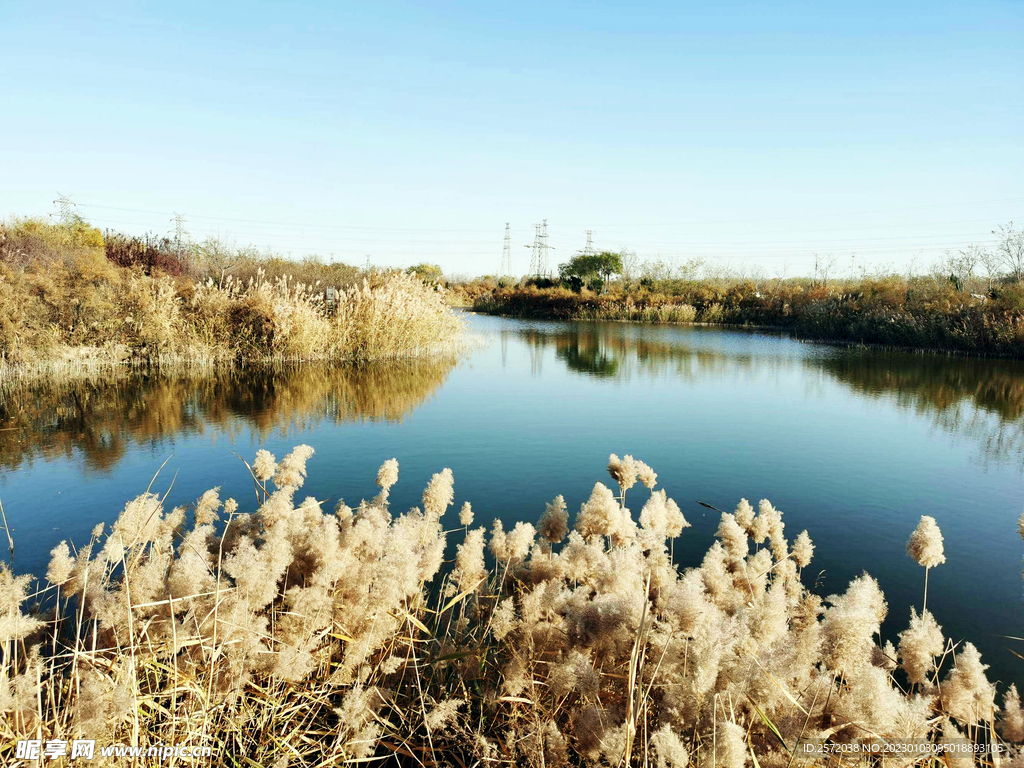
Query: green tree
[[587, 268], [430, 273]]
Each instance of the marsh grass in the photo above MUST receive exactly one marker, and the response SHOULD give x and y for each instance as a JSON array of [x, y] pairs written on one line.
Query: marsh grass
[[66, 307], [299, 635]]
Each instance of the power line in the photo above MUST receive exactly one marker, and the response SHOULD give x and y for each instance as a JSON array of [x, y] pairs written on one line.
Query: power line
[[682, 247], [677, 222]]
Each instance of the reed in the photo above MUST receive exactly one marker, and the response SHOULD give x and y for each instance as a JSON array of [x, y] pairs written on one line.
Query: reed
[[67, 306], [291, 634]]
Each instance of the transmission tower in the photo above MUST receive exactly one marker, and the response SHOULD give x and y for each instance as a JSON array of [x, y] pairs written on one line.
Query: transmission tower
[[539, 255], [65, 209], [535, 252], [506, 253], [544, 247], [588, 249], [180, 233]]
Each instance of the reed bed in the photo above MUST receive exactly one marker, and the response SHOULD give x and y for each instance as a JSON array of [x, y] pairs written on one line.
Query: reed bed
[[298, 635], [68, 307]]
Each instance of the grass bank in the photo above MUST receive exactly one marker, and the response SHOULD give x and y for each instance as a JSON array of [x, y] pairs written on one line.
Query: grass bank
[[919, 313], [71, 300], [289, 634]]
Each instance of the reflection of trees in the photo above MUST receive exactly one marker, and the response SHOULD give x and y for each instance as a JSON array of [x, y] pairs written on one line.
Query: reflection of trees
[[583, 353], [607, 351], [102, 416], [981, 400]]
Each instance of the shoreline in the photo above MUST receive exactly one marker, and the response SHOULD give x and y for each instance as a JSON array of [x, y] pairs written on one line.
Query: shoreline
[[773, 329], [87, 362]]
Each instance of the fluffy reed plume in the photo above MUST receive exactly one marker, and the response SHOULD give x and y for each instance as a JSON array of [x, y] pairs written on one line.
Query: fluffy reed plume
[[287, 633], [925, 547], [920, 643]]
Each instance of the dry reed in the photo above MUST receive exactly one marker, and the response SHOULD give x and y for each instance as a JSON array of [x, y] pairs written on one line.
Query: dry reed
[[295, 635]]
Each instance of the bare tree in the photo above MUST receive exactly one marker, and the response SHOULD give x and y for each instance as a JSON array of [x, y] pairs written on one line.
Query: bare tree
[[823, 267], [689, 269], [960, 266], [630, 266], [912, 266], [991, 261], [1011, 249]]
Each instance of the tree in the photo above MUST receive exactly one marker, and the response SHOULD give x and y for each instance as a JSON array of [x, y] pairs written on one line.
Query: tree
[[1011, 249], [990, 261], [586, 268], [823, 268], [429, 273], [961, 265], [630, 266]]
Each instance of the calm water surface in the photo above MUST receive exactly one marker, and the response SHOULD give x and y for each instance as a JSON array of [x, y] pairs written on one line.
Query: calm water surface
[[853, 445]]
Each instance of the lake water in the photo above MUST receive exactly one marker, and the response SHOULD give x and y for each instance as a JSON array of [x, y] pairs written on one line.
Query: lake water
[[854, 445]]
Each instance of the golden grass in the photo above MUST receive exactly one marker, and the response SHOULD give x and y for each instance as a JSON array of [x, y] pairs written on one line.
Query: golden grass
[[293, 635], [66, 308]]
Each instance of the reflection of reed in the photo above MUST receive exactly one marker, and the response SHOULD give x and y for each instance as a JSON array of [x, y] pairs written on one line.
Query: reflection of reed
[[101, 416], [930, 383]]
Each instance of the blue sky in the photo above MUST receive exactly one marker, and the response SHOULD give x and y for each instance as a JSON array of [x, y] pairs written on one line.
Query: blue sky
[[749, 135]]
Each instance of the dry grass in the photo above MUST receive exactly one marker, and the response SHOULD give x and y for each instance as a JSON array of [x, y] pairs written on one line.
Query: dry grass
[[294, 635], [65, 306]]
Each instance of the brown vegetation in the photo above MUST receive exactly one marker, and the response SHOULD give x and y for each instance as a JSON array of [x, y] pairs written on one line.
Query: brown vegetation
[[920, 313], [293, 635], [64, 297]]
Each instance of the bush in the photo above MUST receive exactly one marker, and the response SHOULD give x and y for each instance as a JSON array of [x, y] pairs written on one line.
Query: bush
[[150, 255]]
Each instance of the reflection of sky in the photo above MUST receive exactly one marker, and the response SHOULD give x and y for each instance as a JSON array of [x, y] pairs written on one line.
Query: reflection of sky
[[844, 448]]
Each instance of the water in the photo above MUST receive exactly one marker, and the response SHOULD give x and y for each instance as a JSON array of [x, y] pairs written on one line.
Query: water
[[853, 445]]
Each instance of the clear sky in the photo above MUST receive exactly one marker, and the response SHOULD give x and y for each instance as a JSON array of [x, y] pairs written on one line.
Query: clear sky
[[745, 134]]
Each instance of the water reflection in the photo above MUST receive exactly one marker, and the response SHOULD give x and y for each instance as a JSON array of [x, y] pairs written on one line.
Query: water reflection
[[618, 351], [982, 400], [977, 399], [100, 418]]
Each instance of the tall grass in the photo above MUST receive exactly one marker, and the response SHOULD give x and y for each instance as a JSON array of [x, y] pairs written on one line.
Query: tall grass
[[296, 635], [64, 303]]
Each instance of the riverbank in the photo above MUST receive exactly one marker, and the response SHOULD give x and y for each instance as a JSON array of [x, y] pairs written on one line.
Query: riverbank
[[70, 301], [886, 315]]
